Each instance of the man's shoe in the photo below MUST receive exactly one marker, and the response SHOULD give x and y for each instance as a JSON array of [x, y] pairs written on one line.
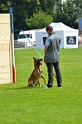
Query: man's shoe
[[46, 87], [59, 85]]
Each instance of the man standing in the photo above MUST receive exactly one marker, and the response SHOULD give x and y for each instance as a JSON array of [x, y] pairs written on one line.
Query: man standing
[[52, 56]]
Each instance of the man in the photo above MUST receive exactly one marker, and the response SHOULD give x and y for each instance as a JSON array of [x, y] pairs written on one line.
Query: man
[[52, 56]]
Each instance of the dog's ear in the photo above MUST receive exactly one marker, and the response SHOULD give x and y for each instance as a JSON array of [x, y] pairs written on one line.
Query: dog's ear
[[34, 58], [40, 59]]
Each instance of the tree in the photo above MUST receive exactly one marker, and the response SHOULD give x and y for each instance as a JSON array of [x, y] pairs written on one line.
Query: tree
[[47, 6], [4, 5], [24, 10], [69, 12], [39, 20]]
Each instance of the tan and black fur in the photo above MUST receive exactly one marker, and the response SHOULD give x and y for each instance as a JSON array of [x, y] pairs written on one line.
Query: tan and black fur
[[36, 74]]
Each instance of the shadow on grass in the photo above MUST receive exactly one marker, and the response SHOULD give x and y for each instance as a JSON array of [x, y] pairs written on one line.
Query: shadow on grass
[[23, 88]]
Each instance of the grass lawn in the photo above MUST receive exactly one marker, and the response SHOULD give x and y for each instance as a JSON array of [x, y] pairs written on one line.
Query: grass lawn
[[44, 106]]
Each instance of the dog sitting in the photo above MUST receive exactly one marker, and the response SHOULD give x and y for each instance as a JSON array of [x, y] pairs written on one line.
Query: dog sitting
[[35, 76]]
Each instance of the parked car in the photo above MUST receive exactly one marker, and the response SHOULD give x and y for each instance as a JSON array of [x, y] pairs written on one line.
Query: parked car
[[29, 37]]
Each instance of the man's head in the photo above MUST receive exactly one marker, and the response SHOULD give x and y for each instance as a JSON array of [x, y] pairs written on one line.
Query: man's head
[[49, 29]]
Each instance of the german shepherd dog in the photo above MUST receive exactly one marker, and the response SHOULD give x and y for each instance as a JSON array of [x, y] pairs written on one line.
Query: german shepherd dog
[[36, 74]]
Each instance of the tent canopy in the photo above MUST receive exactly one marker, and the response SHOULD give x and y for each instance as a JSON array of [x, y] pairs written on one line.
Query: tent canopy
[[60, 26], [68, 35]]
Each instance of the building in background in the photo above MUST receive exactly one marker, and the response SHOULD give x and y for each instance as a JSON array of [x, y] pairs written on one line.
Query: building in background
[[80, 23]]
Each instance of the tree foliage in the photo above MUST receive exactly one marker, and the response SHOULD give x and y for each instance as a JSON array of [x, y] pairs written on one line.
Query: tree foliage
[[47, 6], [25, 10], [69, 12], [39, 20], [29, 14]]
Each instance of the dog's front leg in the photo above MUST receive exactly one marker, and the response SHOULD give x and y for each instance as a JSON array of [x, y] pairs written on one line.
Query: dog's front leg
[[43, 79], [39, 83]]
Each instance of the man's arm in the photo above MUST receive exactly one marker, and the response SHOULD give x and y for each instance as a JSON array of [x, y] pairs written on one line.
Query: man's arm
[[45, 49], [46, 46]]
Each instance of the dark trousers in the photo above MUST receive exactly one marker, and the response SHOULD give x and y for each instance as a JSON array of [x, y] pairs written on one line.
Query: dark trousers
[[50, 74]]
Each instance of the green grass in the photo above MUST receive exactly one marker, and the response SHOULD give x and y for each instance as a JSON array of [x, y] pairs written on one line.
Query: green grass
[[44, 106]]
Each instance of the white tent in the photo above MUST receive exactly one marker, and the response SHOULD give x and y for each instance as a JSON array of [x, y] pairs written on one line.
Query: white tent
[[69, 36]]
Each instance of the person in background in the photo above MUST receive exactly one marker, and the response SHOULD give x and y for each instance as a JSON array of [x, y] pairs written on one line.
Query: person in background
[[52, 57], [79, 40]]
